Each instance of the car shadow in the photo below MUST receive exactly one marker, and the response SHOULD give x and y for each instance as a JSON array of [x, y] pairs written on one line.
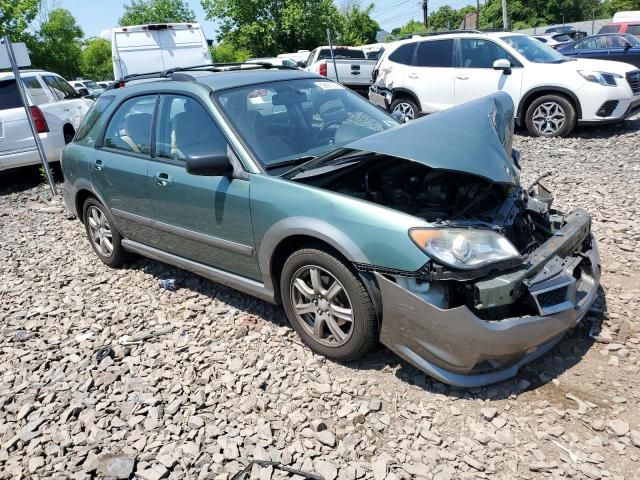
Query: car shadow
[[597, 131], [24, 178], [566, 354]]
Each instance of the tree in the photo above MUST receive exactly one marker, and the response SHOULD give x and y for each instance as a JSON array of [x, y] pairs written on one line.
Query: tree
[[141, 12], [15, 17], [268, 27], [531, 13], [96, 61], [411, 28], [223, 52], [610, 7], [57, 44], [358, 28]]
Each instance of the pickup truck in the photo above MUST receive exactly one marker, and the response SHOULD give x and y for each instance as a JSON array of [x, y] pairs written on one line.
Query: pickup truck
[[354, 69]]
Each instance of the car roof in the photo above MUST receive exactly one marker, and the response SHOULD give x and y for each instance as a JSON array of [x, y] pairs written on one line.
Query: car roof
[[27, 72]]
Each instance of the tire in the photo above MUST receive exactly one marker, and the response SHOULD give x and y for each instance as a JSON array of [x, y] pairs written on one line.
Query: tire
[[98, 222], [406, 106], [543, 117], [352, 339]]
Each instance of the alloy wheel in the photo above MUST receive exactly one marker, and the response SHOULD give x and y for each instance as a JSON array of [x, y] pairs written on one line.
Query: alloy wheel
[[549, 118], [100, 231], [405, 109], [322, 306]]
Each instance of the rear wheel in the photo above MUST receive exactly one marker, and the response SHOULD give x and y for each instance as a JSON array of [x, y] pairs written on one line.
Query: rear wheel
[[406, 107], [103, 236], [328, 305], [550, 116]]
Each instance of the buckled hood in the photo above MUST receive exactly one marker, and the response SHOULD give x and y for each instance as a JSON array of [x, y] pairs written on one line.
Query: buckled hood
[[474, 138]]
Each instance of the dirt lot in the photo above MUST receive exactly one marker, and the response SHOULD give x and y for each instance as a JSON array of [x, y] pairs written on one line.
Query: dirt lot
[[225, 379]]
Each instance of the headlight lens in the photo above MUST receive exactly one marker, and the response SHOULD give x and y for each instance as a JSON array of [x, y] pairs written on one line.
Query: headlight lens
[[463, 248], [603, 78]]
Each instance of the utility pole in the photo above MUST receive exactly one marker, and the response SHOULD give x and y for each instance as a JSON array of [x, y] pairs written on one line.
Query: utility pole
[[477, 14], [505, 20], [425, 12]]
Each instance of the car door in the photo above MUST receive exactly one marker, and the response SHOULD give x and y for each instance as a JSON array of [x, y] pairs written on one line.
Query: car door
[[202, 218], [475, 76], [120, 164], [430, 77], [68, 105], [618, 51]]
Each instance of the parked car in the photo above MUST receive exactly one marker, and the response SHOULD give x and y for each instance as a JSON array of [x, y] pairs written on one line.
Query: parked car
[[152, 48], [555, 41], [56, 108], [104, 85], [570, 30], [287, 62], [551, 93], [624, 22], [620, 47], [90, 86], [354, 69], [363, 229]]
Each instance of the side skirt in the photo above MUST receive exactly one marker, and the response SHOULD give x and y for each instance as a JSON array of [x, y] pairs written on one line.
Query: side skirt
[[232, 280]]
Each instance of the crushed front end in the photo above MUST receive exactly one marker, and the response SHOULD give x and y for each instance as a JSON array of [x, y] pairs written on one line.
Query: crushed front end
[[476, 327]]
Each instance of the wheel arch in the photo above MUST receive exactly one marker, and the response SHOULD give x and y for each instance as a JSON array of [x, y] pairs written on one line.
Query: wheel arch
[[529, 97], [68, 132], [82, 193], [397, 93]]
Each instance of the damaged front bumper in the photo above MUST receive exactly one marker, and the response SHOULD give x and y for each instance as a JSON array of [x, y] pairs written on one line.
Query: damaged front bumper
[[456, 346]]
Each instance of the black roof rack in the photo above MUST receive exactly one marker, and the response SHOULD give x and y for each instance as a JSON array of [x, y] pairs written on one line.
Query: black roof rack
[[441, 32], [175, 73]]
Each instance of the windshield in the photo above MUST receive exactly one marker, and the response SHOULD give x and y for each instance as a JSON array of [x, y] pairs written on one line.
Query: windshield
[[634, 41], [288, 122], [533, 50]]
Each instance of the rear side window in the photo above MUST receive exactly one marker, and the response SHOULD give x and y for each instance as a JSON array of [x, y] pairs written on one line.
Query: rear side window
[[90, 128], [435, 53], [340, 53], [60, 88], [633, 29], [9, 95], [130, 127], [403, 54], [37, 93]]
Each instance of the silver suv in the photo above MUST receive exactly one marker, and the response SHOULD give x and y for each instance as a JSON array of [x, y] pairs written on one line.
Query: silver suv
[[57, 110]]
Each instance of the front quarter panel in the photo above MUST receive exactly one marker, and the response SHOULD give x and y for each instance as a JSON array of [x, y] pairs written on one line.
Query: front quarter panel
[[362, 231]]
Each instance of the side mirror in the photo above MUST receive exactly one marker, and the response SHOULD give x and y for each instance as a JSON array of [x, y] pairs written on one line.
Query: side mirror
[[504, 65], [215, 165], [302, 64], [627, 46], [83, 91]]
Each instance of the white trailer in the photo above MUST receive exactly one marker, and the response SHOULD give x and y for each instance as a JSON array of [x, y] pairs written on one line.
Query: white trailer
[[157, 47]]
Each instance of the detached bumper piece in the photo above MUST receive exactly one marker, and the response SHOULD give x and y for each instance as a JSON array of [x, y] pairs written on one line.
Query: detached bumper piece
[[457, 347]]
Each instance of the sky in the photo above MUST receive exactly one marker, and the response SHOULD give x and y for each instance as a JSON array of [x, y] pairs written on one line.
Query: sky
[[96, 17]]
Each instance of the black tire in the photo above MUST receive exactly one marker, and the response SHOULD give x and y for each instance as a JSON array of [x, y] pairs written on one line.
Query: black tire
[[117, 255], [548, 127], [405, 105], [364, 327]]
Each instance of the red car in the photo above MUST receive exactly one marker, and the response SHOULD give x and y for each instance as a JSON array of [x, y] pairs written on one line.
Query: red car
[[622, 27]]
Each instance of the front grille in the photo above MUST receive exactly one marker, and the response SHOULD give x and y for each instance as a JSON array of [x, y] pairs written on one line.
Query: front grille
[[607, 108], [552, 297], [634, 81]]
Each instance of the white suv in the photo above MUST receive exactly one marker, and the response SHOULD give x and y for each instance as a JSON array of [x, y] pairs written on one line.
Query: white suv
[[57, 110], [551, 92]]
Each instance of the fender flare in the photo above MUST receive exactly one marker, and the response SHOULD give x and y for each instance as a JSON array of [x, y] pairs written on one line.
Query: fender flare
[[403, 91], [550, 89]]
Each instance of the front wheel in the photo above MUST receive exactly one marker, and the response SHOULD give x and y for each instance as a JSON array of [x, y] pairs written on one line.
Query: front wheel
[[328, 305], [550, 116]]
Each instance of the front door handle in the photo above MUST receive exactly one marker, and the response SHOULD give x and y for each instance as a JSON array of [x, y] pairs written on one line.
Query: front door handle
[[462, 77], [412, 75], [163, 179], [97, 165]]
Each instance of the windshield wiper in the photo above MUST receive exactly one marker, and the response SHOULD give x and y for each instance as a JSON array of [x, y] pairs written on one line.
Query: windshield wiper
[[292, 161]]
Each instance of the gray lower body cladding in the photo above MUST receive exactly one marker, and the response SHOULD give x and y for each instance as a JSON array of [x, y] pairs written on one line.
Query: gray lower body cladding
[[459, 348]]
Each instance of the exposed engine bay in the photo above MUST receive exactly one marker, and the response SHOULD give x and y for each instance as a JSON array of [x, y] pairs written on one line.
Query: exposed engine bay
[[446, 198]]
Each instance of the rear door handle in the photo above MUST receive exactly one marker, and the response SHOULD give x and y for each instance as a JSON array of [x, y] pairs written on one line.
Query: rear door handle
[[412, 75], [97, 165], [163, 179], [462, 77]]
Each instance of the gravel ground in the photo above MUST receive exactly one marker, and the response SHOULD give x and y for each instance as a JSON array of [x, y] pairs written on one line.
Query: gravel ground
[[221, 378]]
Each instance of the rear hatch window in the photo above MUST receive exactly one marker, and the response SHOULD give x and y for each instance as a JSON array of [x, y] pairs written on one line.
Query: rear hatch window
[[609, 29], [9, 95]]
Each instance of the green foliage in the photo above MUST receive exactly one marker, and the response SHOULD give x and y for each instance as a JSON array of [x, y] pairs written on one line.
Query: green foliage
[[57, 44], [95, 62], [223, 52], [15, 17], [268, 27], [447, 18], [531, 13], [358, 28], [609, 7], [141, 12], [412, 27]]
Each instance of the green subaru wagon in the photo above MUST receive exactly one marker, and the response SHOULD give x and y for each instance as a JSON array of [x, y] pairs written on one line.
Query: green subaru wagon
[[287, 186]]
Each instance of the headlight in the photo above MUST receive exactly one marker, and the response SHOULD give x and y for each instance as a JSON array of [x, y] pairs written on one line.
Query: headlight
[[603, 78], [463, 248]]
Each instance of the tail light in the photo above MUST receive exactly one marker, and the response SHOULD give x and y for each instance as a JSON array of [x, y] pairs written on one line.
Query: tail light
[[323, 69], [39, 120]]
